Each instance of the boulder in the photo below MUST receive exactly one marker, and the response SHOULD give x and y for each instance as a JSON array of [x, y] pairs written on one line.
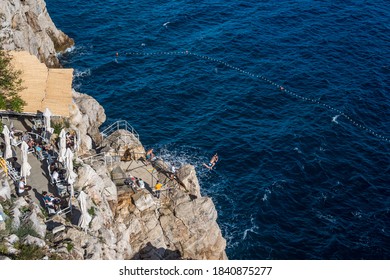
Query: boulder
[[186, 175], [31, 240], [12, 239], [143, 200], [5, 190]]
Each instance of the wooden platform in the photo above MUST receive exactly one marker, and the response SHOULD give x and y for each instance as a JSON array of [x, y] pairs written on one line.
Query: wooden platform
[[44, 87]]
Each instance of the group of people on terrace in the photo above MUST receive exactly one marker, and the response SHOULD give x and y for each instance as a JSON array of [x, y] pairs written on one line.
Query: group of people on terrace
[[40, 144], [150, 157]]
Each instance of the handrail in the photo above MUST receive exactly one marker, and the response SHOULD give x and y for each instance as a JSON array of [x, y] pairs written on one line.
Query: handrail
[[38, 136], [12, 173], [121, 124], [101, 156]]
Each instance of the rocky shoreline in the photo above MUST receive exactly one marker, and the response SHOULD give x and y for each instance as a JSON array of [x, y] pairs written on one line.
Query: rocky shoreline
[[125, 223]]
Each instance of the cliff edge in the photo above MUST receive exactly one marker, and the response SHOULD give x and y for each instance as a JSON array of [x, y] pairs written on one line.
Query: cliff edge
[[26, 25], [110, 219]]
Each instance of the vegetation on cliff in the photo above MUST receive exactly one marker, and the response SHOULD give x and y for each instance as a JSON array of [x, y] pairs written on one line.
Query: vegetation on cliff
[[10, 85]]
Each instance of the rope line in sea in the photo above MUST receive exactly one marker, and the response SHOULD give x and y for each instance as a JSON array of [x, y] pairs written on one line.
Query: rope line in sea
[[276, 85]]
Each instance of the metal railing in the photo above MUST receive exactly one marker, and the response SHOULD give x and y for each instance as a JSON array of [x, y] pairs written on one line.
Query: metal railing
[[122, 124], [37, 136], [106, 157], [12, 173]]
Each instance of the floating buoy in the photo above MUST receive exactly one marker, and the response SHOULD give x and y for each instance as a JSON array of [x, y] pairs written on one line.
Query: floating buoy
[[117, 54], [289, 92]]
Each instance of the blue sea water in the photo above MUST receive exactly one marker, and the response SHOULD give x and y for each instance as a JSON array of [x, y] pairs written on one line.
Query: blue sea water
[[291, 183]]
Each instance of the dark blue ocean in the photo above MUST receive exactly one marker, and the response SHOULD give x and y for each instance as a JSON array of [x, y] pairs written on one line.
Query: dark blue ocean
[[296, 179]]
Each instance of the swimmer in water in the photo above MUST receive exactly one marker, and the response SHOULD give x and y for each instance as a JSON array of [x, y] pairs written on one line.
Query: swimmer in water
[[212, 162]]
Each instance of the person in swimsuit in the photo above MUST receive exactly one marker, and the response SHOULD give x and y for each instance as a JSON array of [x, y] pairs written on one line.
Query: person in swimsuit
[[150, 155], [212, 162]]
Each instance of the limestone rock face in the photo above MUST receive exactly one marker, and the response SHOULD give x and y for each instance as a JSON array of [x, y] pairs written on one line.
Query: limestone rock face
[[95, 187], [123, 143], [143, 201], [200, 216], [186, 174], [26, 25], [17, 212], [31, 240], [36, 220], [86, 117], [171, 229], [5, 190]]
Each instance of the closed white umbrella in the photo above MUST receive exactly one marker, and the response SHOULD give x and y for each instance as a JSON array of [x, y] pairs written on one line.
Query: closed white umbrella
[[26, 167], [47, 114], [49, 130], [7, 140], [77, 142], [62, 147], [71, 175], [85, 218]]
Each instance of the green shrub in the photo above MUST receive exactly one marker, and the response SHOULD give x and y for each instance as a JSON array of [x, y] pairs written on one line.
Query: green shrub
[[55, 257], [10, 85], [57, 126], [29, 252], [69, 246], [3, 249], [91, 211], [25, 230]]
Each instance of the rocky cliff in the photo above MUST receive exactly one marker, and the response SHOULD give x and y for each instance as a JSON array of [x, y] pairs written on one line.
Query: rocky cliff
[[110, 220], [26, 25]]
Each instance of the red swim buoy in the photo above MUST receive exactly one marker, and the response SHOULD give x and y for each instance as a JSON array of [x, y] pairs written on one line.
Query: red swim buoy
[[117, 54]]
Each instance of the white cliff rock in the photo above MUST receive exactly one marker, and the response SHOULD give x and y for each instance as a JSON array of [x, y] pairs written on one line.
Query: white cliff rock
[[87, 116], [31, 240], [36, 220], [187, 175], [17, 212], [5, 190], [12, 239], [26, 25], [143, 200]]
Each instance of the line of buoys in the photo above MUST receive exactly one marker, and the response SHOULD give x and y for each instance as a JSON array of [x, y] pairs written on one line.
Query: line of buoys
[[279, 87]]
